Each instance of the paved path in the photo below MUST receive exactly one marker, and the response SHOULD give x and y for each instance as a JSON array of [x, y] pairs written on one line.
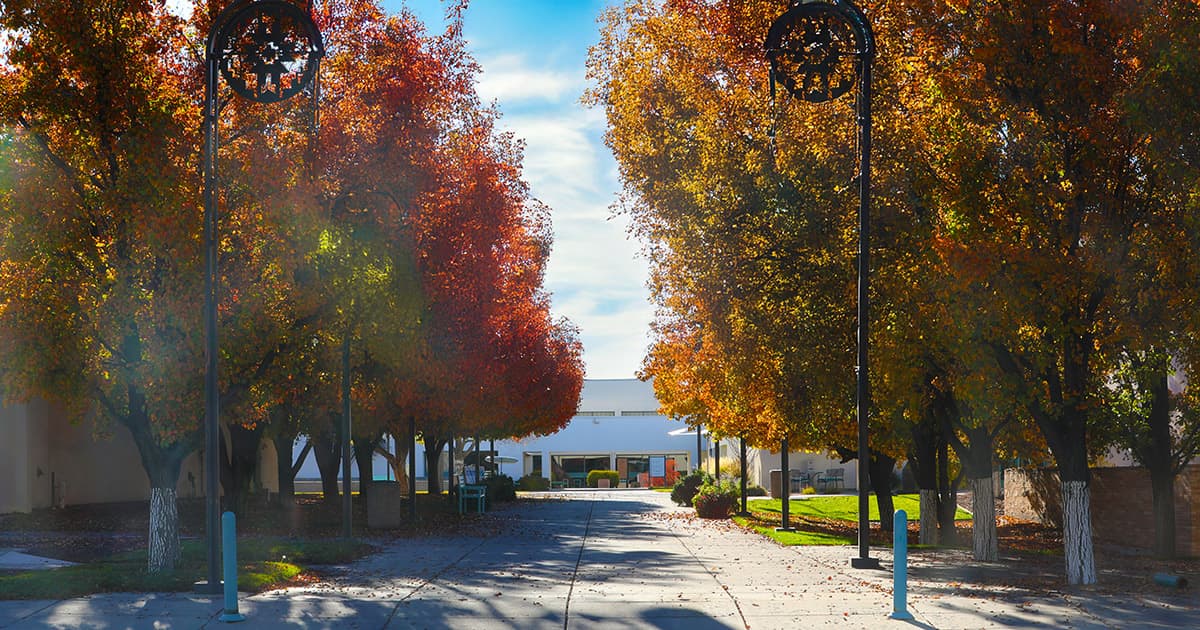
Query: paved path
[[616, 559]]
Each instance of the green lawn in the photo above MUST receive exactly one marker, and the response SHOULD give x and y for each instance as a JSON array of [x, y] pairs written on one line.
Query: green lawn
[[845, 507], [798, 537], [262, 563]]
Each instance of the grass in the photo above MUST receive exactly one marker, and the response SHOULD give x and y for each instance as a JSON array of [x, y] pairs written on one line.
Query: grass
[[845, 507], [824, 520], [798, 537], [263, 563]]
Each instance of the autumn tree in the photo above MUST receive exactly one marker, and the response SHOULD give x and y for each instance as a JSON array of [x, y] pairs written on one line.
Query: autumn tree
[[1048, 191], [101, 295]]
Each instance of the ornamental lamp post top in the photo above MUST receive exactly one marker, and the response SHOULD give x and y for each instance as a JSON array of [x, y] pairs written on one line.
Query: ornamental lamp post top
[[815, 48], [267, 50]]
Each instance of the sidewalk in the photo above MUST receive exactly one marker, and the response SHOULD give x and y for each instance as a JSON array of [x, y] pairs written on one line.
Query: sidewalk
[[622, 560]]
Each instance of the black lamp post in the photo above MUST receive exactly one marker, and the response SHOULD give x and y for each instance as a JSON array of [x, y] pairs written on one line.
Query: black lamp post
[[267, 51], [817, 50]]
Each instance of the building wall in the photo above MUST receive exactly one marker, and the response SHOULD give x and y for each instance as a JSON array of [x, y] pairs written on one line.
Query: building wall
[[42, 446], [811, 463], [1121, 499], [15, 478]]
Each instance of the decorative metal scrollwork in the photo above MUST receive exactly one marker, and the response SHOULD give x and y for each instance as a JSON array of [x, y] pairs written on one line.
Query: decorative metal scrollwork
[[268, 50], [814, 49]]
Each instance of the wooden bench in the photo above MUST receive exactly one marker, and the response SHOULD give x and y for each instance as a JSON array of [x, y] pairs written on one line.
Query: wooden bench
[[470, 492]]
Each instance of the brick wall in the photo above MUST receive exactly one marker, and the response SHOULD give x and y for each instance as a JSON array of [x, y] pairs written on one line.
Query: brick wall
[[1122, 504]]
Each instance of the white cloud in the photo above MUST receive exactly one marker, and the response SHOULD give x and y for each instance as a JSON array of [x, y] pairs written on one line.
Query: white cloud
[[509, 79], [595, 275]]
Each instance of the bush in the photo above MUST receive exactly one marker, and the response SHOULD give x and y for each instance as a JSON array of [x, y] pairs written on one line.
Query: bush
[[686, 487], [716, 501], [595, 476], [756, 491], [533, 482], [808, 490], [500, 488]]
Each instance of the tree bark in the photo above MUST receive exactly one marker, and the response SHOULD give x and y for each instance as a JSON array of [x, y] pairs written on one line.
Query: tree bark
[[285, 467], [239, 462], [161, 464], [923, 459], [1161, 467], [433, 462], [164, 554], [364, 456], [881, 467], [1163, 484], [1077, 532], [985, 544], [947, 504], [328, 452]]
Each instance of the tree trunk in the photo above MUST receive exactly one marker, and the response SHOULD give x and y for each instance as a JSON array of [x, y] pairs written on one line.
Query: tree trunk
[[328, 453], [929, 512], [433, 462], [364, 456], [396, 460], [1162, 483], [881, 467], [285, 468], [923, 459], [947, 504], [239, 462], [1162, 473], [161, 464], [1077, 532], [164, 552], [983, 506]]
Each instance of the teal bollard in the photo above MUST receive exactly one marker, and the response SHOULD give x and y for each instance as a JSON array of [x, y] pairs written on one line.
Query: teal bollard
[[900, 567], [229, 562]]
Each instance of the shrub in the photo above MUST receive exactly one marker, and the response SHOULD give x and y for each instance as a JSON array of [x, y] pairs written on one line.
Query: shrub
[[756, 491], [533, 482], [686, 488], [500, 488], [716, 501], [595, 476], [808, 490]]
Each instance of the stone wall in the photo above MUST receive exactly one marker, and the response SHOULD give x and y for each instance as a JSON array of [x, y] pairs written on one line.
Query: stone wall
[[1122, 504]]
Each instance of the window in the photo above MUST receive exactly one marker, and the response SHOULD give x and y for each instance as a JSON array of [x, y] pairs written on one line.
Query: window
[[639, 413], [595, 413]]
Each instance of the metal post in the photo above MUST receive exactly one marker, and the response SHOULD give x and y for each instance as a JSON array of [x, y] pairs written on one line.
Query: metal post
[[864, 561], [785, 480], [412, 468], [742, 442], [477, 478], [699, 448], [900, 567], [453, 479], [346, 454], [229, 560], [212, 436], [716, 441], [494, 456]]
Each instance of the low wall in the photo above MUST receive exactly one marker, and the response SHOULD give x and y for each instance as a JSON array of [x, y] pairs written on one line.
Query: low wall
[[1122, 504]]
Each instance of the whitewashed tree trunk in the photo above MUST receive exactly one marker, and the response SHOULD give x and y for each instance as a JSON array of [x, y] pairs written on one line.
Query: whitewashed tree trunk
[[983, 518], [164, 530], [1077, 533], [928, 534]]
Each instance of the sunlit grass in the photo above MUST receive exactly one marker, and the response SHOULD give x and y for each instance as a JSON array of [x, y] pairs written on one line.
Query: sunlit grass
[[262, 563], [845, 507], [798, 537]]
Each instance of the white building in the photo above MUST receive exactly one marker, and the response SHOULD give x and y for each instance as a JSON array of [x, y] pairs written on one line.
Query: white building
[[618, 427]]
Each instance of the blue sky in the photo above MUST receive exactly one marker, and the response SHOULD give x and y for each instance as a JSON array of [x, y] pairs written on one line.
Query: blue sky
[[532, 53]]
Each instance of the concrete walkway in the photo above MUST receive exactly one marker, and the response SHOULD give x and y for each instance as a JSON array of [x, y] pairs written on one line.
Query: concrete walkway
[[616, 559]]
